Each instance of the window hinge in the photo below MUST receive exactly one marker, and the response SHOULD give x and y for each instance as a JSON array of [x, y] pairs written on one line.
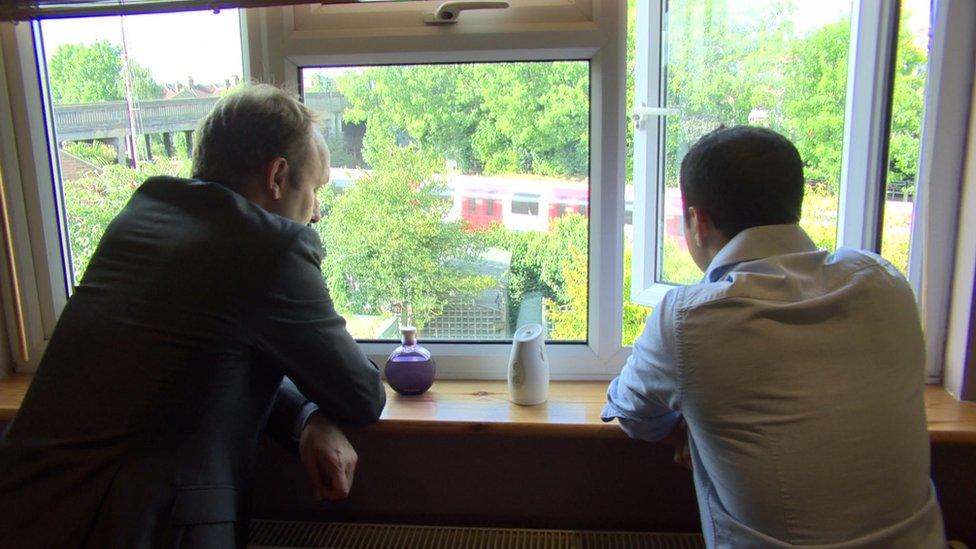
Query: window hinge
[[448, 12]]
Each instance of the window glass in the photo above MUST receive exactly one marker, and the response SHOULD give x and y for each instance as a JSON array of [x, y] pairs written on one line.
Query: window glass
[[447, 172], [525, 206], [904, 141], [634, 314], [771, 63], [125, 95]]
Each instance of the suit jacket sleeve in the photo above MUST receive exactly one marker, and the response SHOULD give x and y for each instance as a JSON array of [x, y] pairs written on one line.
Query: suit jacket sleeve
[[289, 413], [298, 331]]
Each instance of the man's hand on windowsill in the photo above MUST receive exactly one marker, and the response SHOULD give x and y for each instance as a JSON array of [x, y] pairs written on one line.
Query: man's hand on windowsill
[[678, 437], [328, 457]]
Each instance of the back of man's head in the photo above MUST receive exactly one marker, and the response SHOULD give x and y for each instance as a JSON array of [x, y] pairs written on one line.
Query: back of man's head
[[249, 128], [743, 177]]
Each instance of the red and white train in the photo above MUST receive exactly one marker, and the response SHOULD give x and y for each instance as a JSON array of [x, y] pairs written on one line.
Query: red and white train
[[525, 203]]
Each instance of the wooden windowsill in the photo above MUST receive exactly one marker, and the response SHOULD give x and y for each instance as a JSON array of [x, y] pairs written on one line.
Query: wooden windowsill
[[573, 411]]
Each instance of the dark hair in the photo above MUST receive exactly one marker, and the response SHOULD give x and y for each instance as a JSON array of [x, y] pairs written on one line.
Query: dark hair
[[743, 177], [249, 128]]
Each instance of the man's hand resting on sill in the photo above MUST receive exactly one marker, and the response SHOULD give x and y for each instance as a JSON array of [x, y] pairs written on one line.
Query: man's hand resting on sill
[[678, 437], [329, 458]]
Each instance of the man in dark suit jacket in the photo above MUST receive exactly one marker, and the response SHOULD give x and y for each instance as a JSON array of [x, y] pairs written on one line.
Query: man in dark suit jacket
[[141, 423]]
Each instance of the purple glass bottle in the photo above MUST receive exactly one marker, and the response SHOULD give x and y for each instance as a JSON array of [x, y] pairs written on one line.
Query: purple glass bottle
[[410, 368]]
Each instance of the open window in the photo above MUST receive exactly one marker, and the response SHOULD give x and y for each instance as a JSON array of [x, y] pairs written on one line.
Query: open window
[[844, 80]]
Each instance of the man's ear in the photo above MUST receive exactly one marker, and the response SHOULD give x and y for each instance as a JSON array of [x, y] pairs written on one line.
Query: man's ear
[[693, 215], [700, 224], [275, 177]]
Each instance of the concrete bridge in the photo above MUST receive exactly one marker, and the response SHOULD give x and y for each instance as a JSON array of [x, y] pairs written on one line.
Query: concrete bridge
[[108, 121]]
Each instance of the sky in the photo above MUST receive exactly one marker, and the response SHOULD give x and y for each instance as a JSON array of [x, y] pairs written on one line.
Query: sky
[[174, 46], [206, 46], [811, 14]]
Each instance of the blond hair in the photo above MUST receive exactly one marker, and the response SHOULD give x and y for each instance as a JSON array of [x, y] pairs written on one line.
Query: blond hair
[[247, 129]]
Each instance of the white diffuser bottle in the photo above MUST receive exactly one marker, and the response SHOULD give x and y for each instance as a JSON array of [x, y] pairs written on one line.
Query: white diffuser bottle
[[528, 366]]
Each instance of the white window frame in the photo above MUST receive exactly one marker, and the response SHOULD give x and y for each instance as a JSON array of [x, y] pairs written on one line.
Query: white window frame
[[278, 41], [281, 40], [933, 265], [33, 195], [874, 26]]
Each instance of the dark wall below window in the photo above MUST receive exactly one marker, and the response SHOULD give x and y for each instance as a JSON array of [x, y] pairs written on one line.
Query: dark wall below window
[[535, 483]]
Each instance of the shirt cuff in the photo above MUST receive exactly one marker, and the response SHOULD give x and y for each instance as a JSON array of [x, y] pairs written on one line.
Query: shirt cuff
[[653, 429], [307, 409]]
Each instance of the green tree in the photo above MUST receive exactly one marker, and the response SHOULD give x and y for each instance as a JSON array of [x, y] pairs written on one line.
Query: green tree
[[568, 320], [339, 155], [908, 104], [815, 103], [321, 84], [525, 271], [144, 86], [86, 74], [486, 118], [389, 250], [82, 73], [541, 263], [815, 98], [721, 69], [634, 314]]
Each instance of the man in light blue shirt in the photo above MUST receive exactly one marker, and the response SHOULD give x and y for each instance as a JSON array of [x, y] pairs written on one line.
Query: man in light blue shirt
[[798, 373]]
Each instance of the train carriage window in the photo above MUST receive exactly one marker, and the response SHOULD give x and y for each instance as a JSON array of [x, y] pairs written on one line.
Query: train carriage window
[[525, 205]]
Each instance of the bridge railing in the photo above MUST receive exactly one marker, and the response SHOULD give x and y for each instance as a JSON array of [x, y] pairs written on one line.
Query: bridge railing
[[109, 118]]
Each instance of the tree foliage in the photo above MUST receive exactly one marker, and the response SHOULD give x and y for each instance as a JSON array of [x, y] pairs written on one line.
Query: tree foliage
[[82, 73], [541, 263], [815, 98], [487, 118], [908, 104], [389, 249]]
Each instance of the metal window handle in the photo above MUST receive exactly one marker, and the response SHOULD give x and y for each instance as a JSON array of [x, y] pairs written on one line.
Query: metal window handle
[[642, 113], [448, 12]]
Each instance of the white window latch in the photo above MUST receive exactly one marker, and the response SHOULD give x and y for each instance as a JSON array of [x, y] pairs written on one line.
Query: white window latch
[[642, 113], [448, 12]]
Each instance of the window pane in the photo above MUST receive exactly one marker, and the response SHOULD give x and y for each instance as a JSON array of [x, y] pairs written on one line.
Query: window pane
[[905, 132], [769, 63], [125, 95], [459, 197]]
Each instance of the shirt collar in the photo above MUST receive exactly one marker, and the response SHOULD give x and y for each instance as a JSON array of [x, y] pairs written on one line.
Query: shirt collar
[[758, 243]]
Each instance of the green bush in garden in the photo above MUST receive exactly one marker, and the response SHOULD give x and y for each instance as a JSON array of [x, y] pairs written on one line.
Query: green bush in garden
[[634, 314], [95, 153]]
